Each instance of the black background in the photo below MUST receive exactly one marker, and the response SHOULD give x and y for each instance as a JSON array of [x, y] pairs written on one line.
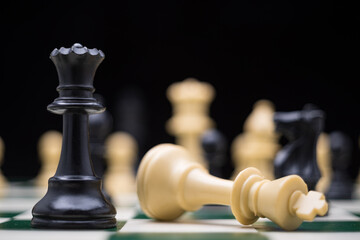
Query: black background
[[290, 52]]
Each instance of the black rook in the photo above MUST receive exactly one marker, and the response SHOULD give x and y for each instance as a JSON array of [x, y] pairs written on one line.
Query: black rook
[[74, 198]]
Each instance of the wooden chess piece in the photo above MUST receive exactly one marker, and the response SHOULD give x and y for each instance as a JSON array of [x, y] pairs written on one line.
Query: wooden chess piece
[[49, 149], [74, 199], [258, 144], [169, 183], [190, 100], [121, 153]]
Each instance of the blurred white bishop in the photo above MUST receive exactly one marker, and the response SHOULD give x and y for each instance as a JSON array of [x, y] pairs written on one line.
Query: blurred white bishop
[[258, 144]]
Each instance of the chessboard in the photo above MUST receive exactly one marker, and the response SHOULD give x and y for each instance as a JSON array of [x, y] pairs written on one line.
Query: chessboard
[[210, 222]]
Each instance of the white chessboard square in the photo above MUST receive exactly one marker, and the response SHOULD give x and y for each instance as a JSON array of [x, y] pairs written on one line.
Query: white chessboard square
[[4, 220], [192, 226], [352, 205], [125, 213], [16, 204], [337, 214], [26, 215]]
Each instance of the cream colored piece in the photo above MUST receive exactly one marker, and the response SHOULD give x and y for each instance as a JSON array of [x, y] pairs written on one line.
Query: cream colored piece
[[357, 181], [119, 179], [324, 163], [3, 182], [260, 121], [190, 100], [169, 183], [258, 144], [49, 150]]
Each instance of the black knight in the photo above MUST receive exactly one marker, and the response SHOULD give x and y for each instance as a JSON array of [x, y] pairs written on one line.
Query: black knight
[[301, 129]]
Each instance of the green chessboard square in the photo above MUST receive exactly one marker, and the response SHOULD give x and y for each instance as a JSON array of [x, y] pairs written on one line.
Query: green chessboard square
[[141, 215], [331, 226], [213, 212], [8, 214], [16, 225]]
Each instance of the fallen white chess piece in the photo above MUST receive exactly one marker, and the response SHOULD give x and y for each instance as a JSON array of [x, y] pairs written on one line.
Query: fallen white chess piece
[[170, 183]]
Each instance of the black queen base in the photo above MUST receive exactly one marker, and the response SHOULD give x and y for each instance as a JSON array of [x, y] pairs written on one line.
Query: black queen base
[[74, 199]]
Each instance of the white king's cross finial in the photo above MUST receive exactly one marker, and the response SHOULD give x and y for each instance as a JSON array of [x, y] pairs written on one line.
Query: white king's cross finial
[[306, 207]]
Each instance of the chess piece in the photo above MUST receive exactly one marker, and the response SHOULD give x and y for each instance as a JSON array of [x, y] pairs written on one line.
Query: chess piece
[[190, 100], [324, 163], [74, 198], [3, 181], [49, 149], [119, 179], [100, 126], [214, 147], [169, 183], [357, 181], [302, 129], [341, 186], [258, 144], [131, 113], [260, 121]]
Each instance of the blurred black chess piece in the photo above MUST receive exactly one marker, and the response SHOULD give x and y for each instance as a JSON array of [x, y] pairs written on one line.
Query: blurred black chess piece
[[342, 184], [301, 129], [214, 146], [130, 115], [100, 126], [74, 198]]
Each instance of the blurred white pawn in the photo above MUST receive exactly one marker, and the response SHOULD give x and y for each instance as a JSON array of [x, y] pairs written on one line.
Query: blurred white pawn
[[3, 182], [324, 163], [258, 144], [119, 178], [49, 150]]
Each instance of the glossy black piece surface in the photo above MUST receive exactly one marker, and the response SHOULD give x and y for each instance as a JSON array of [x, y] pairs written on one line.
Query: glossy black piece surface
[[301, 129], [76, 67], [100, 126], [214, 146], [342, 185], [74, 199]]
